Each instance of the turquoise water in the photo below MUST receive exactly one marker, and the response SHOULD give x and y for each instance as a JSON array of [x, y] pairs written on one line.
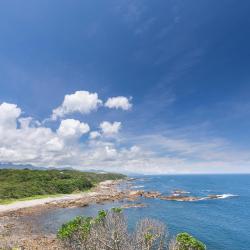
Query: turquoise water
[[222, 224]]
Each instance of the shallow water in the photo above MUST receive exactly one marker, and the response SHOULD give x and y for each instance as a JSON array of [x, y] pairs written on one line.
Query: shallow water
[[222, 224]]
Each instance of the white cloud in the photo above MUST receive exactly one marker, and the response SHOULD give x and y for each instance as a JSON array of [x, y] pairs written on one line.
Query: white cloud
[[55, 144], [94, 135], [25, 144], [118, 102], [109, 129], [8, 115], [33, 143], [72, 129], [25, 122], [81, 101], [110, 152]]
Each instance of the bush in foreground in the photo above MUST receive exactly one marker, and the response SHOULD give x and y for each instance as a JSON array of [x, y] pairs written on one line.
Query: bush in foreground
[[109, 231], [185, 241]]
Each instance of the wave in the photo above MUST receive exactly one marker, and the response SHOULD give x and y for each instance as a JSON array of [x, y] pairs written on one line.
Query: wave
[[139, 186], [224, 196], [218, 196]]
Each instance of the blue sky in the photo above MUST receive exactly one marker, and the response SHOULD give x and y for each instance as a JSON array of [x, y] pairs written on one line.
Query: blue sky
[[182, 66]]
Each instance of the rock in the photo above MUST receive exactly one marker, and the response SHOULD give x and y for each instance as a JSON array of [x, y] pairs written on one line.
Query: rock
[[151, 194], [214, 196], [179, 198], [148, 194], [178, 192], [137, 205], [136, 193], [131, 179]]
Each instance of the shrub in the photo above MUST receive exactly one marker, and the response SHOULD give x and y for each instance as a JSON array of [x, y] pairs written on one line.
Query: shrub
[[185, 241], [67, 230], [109, 231]]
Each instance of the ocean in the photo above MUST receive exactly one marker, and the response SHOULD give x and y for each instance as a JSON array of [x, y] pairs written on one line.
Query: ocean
[[222, 224]]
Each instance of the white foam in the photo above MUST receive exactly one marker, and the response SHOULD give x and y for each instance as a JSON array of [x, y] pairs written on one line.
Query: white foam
[[218, 196], [224, 196], [139, 186]]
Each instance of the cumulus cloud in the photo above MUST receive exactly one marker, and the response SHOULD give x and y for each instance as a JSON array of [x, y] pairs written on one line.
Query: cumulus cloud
[[110, 129], [81, 101], [72, 129], [25, 144], [23, 140], [26, 141], [8, 115], [55, 144], [118, 102]]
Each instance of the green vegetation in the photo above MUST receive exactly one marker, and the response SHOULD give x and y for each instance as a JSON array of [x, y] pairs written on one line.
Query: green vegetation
[[186, 242], [23, 184], [108, 231], [80, 223], [67, 230]]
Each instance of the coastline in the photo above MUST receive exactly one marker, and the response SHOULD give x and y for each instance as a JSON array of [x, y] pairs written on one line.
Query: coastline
[[105, 190], [14, 232], [23, 226]]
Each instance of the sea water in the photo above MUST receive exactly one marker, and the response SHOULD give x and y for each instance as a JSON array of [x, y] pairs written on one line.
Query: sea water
[[222, 224]]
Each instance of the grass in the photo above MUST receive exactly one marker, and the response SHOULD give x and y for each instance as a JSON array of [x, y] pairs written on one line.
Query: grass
[[20, 185]]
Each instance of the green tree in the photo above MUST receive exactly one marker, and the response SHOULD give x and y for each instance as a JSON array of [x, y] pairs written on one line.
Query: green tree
[[185, 241]]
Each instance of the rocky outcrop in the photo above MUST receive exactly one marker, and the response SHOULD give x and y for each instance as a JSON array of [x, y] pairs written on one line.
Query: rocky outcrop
[[178, 192], [179, 198], [135, 205], [151, 194]]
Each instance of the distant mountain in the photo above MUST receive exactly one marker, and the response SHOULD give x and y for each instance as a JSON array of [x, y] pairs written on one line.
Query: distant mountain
[[10, 165], [95, 171]]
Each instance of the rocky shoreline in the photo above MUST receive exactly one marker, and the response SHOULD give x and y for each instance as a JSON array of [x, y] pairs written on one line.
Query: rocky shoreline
[[14, 231]]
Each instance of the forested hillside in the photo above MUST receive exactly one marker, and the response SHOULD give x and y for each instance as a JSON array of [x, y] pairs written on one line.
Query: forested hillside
[[15, 184]]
